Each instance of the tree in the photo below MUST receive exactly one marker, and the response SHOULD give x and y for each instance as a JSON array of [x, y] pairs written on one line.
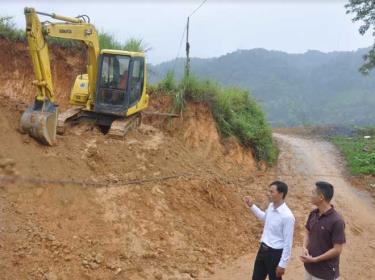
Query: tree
[[364, 11]]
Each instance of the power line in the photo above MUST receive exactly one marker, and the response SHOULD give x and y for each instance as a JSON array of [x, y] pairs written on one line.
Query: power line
[[198, 7], [187, 65], [179, 48], [183, 34]]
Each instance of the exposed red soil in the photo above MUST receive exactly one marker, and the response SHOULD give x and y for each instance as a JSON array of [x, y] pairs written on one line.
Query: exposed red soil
[[183, 214], [163, 203]]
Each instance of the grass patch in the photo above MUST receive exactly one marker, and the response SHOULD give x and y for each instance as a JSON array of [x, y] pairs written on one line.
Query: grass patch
[[235, 112], [9, 31], [108, 41], [358, 151], [168, 83]]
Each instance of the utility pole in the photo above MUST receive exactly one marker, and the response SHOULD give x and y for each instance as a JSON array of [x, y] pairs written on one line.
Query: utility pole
[[187, 66]]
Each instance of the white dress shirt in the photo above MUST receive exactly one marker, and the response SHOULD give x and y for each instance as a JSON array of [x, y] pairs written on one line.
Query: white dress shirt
[[278, 229]]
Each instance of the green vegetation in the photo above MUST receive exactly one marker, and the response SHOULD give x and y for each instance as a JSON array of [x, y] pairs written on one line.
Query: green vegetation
[[235, 111], [364, 11], [238, 114], [168, 83], [108, 41], [8, 30], [358, 151], [293, 89]]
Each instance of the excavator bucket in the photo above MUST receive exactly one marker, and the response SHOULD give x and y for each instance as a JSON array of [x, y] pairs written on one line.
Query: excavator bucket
[[40, 121]]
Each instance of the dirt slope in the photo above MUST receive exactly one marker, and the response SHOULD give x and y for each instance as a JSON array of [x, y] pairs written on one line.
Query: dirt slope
[[164, 203], [16, 71], [166, 227]]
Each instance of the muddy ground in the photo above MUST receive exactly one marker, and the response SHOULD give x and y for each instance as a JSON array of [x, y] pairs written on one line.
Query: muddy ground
[[163, 203]]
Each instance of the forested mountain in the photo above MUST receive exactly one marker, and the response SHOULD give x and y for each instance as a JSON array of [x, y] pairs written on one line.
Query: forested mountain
[[294, 89]]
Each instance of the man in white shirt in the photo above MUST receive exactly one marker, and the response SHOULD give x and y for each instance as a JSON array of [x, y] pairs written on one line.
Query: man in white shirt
[[277, 238]]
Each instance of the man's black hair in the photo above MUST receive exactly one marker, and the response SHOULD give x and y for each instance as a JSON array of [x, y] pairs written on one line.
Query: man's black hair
[[326, 189], [281, 187]]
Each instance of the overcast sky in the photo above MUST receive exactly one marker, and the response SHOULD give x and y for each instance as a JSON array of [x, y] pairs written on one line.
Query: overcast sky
[[217, 28]]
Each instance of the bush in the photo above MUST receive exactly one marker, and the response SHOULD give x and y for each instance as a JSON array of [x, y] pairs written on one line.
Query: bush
[[199, 90], [135, 45], [168, 83], [9, 31], [108, 41], [179, 101], [235, 112]]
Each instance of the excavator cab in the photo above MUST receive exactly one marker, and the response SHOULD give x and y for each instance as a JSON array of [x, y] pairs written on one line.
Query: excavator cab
[[120, 82]]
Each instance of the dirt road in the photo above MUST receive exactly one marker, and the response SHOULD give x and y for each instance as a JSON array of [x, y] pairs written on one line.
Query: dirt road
[[302, 162]]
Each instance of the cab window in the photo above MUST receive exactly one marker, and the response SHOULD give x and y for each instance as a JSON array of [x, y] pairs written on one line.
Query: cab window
[[136, 80]]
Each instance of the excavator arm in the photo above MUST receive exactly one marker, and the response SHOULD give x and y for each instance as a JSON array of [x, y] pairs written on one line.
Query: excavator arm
[[86, 33], [40, 119], [39, 55]]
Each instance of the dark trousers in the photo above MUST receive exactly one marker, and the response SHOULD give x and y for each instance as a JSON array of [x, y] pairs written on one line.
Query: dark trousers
[[266, 263]]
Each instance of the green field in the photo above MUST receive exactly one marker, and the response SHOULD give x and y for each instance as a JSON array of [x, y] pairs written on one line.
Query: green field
[[358, 151]]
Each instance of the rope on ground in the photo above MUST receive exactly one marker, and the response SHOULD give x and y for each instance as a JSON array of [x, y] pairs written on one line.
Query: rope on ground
[[39, 181], [63, 182]]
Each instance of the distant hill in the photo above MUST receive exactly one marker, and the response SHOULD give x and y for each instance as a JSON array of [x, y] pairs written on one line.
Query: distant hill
[[294, 89]]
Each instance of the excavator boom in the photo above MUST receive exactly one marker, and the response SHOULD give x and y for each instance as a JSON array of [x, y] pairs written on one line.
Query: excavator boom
[[40, 119]]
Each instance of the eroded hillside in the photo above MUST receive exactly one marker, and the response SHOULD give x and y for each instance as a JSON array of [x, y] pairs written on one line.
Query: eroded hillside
[[163, 203]]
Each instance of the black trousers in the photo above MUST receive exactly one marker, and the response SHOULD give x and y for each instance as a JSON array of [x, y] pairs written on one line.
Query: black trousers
[[266, 263]]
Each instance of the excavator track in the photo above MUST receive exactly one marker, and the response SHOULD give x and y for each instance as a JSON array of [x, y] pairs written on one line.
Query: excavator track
[[120, 127], [63, 117]]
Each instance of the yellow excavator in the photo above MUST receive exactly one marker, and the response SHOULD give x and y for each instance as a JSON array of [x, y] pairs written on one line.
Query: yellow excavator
[[112, 93]]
